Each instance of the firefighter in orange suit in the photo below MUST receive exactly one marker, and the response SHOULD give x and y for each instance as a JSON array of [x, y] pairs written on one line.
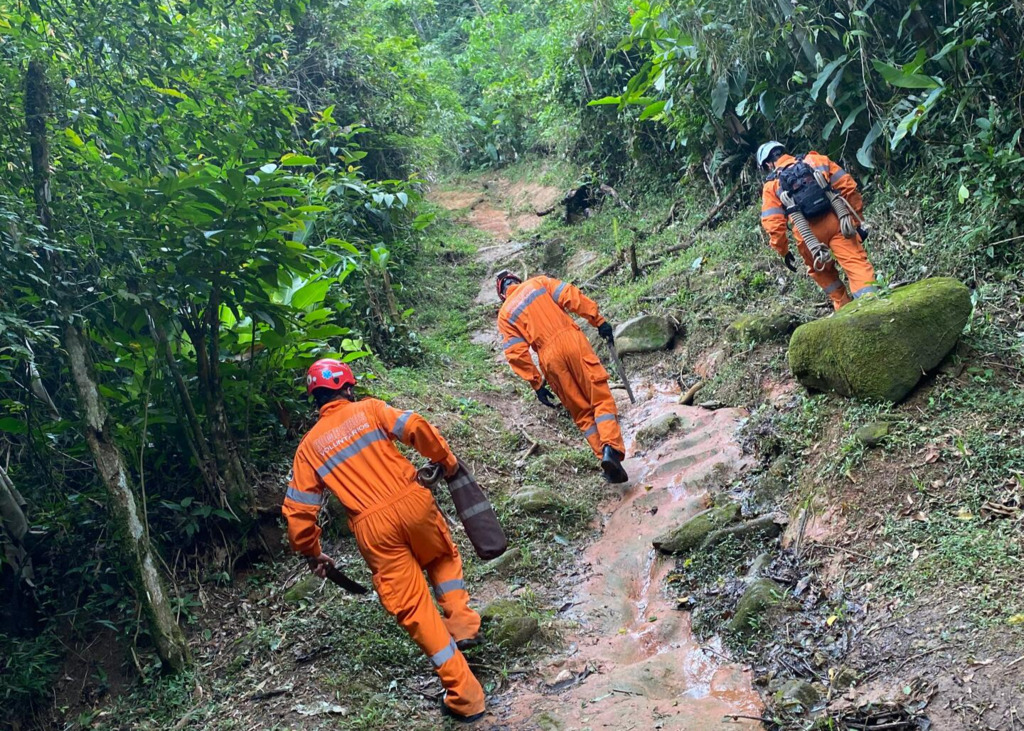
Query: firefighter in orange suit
[[397, 525], [845, 246], [533, 315]]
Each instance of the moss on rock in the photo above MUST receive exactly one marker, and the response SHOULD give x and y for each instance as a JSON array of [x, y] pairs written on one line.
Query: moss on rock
[[658, 430], [773, 327], [691, 534], [537, 501], [759, 596], [644, 334], [877, 348], [508, 623]]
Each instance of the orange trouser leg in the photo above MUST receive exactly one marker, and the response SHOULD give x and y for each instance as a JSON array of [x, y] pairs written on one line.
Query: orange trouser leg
[[854, 260], [576, 375], [436, 552], [828, 279], [390, 541]]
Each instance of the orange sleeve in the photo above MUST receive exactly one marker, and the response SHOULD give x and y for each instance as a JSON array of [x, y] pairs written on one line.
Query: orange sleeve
[[845, 185], [517, 353], [414, 431], [773, 218], [302, 505], [571, 299]]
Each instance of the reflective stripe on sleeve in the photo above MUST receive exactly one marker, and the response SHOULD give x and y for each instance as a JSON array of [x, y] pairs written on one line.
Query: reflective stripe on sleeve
[[475, 510], [446, 586], [837, 176], [350, 451], [440, 658], [773, 211], [558, 291], [524, 304], [513, 341], [399, 429], [306, 498]]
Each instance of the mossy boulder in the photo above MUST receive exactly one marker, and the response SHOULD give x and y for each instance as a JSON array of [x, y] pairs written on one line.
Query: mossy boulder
[[644, 334], [691, 534], [759, 596], [765, 526], [877, 348], [773, 327], [658, 429], [798, 696], [553, 255], [537, 501], [508, 623], [871, 435]]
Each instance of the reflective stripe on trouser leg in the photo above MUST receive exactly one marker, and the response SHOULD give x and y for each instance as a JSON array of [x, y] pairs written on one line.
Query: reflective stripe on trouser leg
[[853, 258], [440, 557], [440, 657], [608, 428], [863, 291]]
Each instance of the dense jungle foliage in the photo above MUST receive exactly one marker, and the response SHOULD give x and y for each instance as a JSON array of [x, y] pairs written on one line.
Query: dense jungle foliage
[[200, 197]]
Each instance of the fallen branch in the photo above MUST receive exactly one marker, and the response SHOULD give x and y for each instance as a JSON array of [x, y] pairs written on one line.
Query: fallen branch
[[607, 270], [687, 398], [703, 224]]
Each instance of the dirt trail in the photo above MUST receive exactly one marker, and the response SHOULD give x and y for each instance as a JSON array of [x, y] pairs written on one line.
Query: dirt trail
[[631, 661]]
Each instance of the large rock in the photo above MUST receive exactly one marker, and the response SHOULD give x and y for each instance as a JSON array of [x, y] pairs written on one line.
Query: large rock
[[878, 348], [760, 595], [773, 327], [798, 696], [691, 534], [644, 334]]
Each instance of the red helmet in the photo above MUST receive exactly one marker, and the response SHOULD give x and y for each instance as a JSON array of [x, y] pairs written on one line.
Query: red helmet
[[329, 373], [502, 280]]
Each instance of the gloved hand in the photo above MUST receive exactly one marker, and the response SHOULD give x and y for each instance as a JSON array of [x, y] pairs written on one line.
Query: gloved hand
[[318, 564], [545, 396], [790, 261], [606, 332], [863, 233]]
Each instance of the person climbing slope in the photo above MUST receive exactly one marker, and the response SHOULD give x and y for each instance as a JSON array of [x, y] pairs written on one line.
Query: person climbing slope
[[821, 202], [533, 315], [397, 525]]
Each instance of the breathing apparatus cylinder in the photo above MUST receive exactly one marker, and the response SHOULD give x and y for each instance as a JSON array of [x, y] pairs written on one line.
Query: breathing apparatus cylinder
[[848, 218], [821, 255]]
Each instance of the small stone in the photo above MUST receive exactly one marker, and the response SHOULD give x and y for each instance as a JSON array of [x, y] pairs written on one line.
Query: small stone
[[759, 564], [845, 678], [537, 500], [871, 435], [759, 596], [303, 588], [513, 632], [503, 564], [773, 327], [797, 696], [658, 430], [644, 334], [691, 534]]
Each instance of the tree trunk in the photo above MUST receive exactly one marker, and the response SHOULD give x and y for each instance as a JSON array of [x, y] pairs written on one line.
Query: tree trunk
[[199, 444], [167, 635], [200, 332], [15, 528]]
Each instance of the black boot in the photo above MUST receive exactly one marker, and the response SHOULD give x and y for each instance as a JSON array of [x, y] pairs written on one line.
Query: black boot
[[446, 711], [611, 463]]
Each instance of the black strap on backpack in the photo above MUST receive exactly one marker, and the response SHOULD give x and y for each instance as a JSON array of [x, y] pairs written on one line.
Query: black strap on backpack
[[808, 196]]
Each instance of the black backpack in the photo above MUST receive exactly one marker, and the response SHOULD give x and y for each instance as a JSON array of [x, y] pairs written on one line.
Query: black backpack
[[808, 197]]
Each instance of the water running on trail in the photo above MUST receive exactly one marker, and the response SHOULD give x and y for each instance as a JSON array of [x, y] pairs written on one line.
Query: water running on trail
[[632, 662]]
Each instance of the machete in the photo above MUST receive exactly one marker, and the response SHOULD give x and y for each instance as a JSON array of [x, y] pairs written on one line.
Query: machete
[[353, 587], [621, 371]]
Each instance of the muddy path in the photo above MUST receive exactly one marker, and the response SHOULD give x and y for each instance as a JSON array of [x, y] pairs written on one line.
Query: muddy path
[[628, 658]]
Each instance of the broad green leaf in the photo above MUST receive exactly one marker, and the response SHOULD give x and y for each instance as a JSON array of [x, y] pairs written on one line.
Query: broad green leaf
[[864, 154], [605, 101], [292, 158], [963, 194], [897, 77], [652, 110], [824, 75], [720, 97], [311, 293]]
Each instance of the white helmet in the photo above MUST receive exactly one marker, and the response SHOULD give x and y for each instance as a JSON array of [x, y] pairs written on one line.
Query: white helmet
[[765, 151]]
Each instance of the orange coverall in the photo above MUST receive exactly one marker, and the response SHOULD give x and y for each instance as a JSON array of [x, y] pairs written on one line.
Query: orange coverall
[[533, 316], [849, 253], [397, 525]]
